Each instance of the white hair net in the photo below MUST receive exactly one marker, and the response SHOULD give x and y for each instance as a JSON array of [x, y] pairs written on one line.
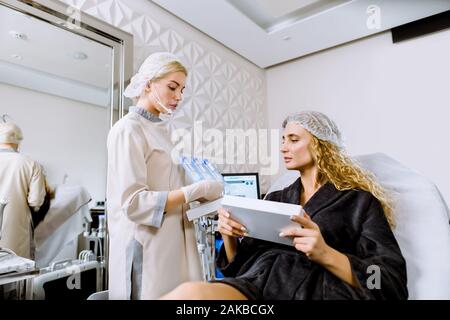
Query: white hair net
[[319, 125], [10, 133], [151, 68]]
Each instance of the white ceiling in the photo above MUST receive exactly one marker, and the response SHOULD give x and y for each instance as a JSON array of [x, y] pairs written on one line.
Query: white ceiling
[[269, 32], [49, 49]]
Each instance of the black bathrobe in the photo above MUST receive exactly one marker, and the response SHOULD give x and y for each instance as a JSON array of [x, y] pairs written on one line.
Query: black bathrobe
[[351, 222]]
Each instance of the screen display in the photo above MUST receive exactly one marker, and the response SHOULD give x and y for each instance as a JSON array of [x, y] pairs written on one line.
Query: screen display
[[242, 185]]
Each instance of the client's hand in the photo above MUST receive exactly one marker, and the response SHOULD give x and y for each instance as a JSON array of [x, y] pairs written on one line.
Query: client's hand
[[308, 239], [203, 190], [228, 226]]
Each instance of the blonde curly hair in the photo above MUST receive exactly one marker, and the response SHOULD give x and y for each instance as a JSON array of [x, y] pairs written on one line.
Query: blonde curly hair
[[345, 174]]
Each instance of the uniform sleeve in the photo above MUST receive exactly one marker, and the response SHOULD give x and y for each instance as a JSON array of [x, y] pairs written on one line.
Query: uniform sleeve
[[378, 265], [36, 191], [128, 170]]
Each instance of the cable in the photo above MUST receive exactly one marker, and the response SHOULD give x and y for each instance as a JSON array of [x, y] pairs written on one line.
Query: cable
[[100, 246], [3, 203], [85, 255]]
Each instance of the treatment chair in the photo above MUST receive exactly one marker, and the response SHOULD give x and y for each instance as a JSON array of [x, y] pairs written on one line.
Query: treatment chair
[[57, 235], [422, 223]]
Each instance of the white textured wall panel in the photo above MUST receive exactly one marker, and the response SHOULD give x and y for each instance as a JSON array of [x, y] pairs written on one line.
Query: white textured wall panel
[[223, 90]]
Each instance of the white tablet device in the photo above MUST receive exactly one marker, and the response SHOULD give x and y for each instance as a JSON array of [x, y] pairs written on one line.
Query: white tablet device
[[263, 219]]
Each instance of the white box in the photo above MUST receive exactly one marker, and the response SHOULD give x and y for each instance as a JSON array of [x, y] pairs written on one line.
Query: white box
[[263, 219]]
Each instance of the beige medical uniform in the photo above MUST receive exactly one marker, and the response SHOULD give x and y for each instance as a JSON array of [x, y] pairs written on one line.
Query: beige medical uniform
[[151, 252], [22, 182]]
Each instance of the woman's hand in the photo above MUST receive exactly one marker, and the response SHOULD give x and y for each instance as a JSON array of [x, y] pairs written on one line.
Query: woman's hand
[[228, 226], [203, 190], [307, 238]]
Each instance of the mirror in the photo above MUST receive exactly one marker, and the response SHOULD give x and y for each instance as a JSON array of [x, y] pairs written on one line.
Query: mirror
[[80, 70], [62, 74]]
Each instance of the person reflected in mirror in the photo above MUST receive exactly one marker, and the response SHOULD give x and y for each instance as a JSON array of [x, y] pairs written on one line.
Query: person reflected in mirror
[[152, 244], [343, 246], [39, 215], [23, 186]]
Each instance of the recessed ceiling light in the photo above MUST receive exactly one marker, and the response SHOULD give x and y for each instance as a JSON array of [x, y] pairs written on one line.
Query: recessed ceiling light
[[79, 55], [17, 56], [18, 35]]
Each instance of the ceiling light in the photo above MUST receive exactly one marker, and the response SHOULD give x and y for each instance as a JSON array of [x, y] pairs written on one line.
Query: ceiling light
[[79, 55], [18, 35], [17, 56]]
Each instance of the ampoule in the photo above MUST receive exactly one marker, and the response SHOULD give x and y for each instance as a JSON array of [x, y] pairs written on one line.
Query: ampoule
[[186, 162]]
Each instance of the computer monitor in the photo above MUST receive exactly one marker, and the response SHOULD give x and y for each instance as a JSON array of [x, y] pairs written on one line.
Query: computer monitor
[[242, 184]]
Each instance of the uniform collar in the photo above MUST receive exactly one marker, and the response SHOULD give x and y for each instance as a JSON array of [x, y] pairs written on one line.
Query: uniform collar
[[9, 150], [144, 113]]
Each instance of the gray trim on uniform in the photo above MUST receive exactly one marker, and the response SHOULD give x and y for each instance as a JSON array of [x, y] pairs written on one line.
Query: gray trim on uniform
[[9, 150], [128, 267], [147, 115], [158, 214], [136, 271]]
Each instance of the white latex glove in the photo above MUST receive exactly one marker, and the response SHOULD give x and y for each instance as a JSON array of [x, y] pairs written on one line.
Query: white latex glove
[[205, 189]]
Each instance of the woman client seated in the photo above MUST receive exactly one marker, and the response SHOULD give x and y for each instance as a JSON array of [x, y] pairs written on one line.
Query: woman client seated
[[343, 247]]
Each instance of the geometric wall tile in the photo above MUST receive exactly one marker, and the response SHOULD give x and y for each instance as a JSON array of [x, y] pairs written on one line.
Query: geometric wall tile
[[218, 92]]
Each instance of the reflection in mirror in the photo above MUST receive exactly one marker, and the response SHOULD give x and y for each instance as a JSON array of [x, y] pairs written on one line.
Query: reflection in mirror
[[59, 96], [62, 89], [32, 58]]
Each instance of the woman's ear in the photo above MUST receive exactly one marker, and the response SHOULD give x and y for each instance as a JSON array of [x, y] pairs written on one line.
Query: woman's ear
[[148, 86]]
